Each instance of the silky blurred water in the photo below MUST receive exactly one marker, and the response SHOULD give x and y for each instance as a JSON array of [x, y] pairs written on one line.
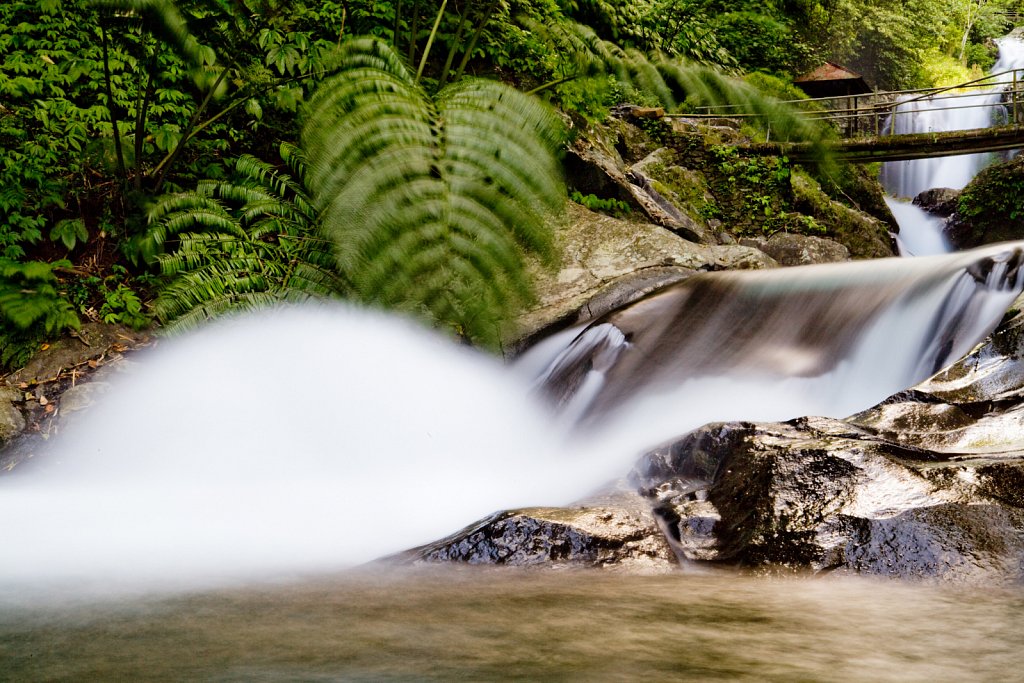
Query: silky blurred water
[[471, 623]]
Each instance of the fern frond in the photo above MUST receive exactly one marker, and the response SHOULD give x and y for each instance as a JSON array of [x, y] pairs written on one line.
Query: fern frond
[[240, 243], [431, 204]]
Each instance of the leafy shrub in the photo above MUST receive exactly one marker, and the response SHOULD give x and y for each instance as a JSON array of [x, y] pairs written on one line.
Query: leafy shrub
[[431, 202], [32, 309], [610, 206]]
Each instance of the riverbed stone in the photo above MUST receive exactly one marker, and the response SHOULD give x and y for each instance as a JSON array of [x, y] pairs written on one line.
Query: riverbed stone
[[823, 495], [792, 249], [613, 530]]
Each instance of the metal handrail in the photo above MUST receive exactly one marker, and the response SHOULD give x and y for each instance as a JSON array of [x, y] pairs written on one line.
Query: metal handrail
[[878, 109]]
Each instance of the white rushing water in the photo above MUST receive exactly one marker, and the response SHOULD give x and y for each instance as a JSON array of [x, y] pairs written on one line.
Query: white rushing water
[[920, 232], [310, 439]]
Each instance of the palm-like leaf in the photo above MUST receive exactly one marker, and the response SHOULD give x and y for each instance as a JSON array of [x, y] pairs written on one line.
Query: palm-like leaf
[[431, 203], [239, 244]]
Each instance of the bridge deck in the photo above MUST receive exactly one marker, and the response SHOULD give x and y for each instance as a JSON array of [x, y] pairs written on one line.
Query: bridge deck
[[903, 147]]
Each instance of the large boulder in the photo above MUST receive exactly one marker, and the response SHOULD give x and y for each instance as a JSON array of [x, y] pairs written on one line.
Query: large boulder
[[607, 262], [792, 249], [928, 484], [864, 235], [821, 494]]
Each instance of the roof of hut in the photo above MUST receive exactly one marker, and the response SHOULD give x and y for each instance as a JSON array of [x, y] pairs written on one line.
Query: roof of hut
[[832, 80]]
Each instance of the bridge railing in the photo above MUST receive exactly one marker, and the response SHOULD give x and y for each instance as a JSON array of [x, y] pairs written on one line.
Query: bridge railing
[[870, 114]]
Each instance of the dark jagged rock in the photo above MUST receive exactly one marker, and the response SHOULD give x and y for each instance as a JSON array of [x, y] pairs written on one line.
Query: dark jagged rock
[[821, 494], [940, 201]]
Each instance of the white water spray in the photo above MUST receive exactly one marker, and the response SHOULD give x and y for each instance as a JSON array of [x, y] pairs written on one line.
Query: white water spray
[[307, 440]]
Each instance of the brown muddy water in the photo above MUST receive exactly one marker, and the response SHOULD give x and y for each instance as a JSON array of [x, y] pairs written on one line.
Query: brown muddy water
[[486, 624]]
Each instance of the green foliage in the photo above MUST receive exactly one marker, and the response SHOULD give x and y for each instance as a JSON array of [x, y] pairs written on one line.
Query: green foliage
[[756, 189], [671, 81], [31, 309], [123, 306], [991, 207], [239, 244], [69, 232], [431, 202], [610, 206]]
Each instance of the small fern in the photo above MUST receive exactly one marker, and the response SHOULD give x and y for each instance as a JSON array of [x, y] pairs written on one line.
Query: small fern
[[431, 202], [239, 244], [32, 309]]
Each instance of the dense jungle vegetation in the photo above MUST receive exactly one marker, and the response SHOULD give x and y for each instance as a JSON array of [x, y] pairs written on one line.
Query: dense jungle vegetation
[[166, 161]]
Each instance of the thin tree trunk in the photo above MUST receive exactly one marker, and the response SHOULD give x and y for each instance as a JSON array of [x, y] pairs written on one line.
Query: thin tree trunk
[[186, 135], [111, 105]]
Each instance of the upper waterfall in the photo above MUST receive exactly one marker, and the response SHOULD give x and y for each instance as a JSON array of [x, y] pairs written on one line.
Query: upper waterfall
[[948, 111], [842, 336]]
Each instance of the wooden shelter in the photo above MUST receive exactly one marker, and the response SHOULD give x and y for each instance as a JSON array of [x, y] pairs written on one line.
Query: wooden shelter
[[832, 80]]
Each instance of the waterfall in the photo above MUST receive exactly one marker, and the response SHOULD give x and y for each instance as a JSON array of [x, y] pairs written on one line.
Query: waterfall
[[921, 233], [948, 111], [835, 338], [308, 439]]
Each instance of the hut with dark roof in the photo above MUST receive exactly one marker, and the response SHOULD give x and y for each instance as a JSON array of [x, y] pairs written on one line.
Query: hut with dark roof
[[832, 80]]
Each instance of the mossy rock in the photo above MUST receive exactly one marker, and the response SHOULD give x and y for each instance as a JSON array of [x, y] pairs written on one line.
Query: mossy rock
[[863, 234], [991, 207]]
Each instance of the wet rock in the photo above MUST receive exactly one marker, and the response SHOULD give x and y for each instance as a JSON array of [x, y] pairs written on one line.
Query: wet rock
[[940, 201], [607, 259], [791, 249], [613, 531], [822, 494]]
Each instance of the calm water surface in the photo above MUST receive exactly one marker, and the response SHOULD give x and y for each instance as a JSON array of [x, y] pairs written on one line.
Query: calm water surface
[[486, 624]]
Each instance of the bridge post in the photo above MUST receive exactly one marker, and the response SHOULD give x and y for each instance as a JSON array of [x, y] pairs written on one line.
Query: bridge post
[[1014, 98]]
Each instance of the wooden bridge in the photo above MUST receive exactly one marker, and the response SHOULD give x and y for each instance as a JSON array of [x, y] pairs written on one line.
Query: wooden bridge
[[864, 123]]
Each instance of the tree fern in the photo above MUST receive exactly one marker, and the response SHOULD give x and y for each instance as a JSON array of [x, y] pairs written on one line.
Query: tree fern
[[431, 202], [239, 244]]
